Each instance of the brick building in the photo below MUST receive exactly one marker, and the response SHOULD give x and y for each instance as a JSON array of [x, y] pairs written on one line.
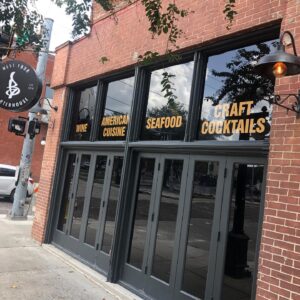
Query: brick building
[[11, 145], [191, 197]]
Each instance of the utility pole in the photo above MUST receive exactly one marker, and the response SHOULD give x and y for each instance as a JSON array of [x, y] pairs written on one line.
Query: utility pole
[[17, 211]]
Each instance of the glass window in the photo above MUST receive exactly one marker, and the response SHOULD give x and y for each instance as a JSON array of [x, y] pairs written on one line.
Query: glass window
[[7, 172], [83, 114], [168, 209], [168, 103], [112, 202], [80, 195], [113, 125], [95, 201], [200, 227], [242, 239], [64, 206], [232, 107], [141, 211]]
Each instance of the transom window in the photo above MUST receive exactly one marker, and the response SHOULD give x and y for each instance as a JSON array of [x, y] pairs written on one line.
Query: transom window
[[83, 114], [232, 108], [114, 123], [168, 103]]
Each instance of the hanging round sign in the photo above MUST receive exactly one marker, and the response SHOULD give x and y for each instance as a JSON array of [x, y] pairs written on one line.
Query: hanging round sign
[[20, 87]]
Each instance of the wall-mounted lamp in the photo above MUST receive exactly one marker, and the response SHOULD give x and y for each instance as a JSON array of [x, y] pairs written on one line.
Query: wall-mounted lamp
[[280, 64], [37, 109], [43, 141], [55, 108]]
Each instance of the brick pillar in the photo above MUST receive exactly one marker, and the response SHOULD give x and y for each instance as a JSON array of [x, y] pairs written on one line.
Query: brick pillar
[[279, 261], [52, 144]]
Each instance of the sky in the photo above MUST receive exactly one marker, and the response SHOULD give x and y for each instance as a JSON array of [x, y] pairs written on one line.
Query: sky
[[62, 26]]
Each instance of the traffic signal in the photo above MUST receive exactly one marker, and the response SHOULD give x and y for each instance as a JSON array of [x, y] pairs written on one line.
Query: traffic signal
[[17, 126], [34, 128]]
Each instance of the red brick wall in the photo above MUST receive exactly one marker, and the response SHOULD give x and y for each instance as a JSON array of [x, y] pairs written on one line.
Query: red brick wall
[[279, 263], [122, 41], [11, 145], [123, 38], [48, 166]]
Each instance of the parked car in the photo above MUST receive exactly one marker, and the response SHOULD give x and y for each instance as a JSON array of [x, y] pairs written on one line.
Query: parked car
[[8, 180]]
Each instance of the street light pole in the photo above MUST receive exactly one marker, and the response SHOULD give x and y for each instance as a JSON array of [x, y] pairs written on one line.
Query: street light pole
[[17, 211]]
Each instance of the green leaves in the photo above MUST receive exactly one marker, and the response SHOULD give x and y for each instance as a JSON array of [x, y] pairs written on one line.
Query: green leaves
[[229, 12], [148, 57], [168, 87], [164, 22], [80, 11], [103, 59]]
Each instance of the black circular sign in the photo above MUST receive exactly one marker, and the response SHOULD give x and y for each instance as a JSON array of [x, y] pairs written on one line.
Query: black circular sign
[[20, 88]]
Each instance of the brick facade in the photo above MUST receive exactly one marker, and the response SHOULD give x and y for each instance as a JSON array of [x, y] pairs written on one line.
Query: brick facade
[[122, 39], [11, 145]]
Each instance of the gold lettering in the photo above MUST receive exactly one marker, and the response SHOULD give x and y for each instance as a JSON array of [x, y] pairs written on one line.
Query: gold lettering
[[173, 122], [167, 122], [204, 127], [247, 126], [178, 121], [240, 126], [234, 123], [219, 127], [211, 128], [226, 110], [148, 126], [233, 110], [81, 128], [226, 128], [251, 126], [261, 125], [218, 111], [249, 105], [153, 123]]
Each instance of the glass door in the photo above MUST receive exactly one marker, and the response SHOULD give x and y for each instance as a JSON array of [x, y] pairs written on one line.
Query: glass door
[[175, 196], [240, 228], [88, 205], [107, 219], [195, 224], [199, 230]]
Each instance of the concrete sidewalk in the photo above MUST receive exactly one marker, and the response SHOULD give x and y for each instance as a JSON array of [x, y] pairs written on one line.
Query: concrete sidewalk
[[29, 271]]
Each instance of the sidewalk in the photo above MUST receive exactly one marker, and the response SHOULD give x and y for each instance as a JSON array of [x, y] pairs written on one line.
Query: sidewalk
[[29, 271]]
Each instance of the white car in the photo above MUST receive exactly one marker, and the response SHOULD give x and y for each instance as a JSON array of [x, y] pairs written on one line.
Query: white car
[[8, 180]]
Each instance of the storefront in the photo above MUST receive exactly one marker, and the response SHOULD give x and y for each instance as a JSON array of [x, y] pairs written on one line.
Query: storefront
[[160, 181]]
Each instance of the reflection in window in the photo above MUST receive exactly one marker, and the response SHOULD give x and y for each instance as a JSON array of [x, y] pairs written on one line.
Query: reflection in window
[[232, 108], [95, 201], [110, 219], [80, 195], [168, 103], [83, 114], [64, 206], [200, 227], [113, 125], [168, 208], [141, 211], [242, 240]]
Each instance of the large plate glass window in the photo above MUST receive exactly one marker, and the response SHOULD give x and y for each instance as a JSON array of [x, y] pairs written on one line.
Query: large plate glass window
[[83, 114], [233, 109], [113, 124], [168, 103]]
